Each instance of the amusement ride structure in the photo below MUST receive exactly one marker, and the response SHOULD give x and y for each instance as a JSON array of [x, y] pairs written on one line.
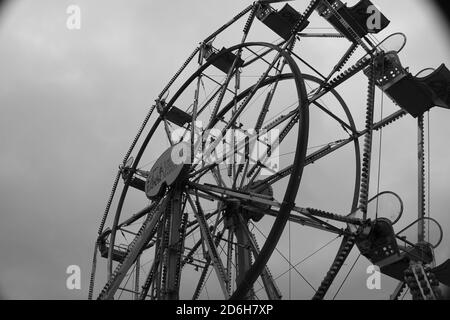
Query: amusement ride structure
[[216, 204]]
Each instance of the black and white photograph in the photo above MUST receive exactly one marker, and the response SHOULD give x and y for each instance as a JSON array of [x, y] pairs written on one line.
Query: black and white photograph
[[224, 150]]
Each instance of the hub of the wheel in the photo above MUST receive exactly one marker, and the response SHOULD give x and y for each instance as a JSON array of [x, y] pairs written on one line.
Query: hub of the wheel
[[259, 214], [249, 210]]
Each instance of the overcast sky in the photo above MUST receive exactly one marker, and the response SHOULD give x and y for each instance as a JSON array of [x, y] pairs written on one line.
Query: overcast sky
[[72, 100]]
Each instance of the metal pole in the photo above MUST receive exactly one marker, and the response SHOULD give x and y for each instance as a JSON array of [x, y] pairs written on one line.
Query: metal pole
[[173, 254], [421, 179], [243, 257], [136, 279]]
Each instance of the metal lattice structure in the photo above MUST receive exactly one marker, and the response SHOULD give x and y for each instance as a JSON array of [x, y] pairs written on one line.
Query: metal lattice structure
[[215, 207]]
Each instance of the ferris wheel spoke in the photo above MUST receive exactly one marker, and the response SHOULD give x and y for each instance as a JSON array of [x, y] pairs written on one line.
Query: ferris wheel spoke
[[241, 149], [260, 56], [139, 214], [208, 102], [189, 127], [168, 132], [150, 277], [157, 262], [202, 279], [333, 116], [222, 85], [209, 215], [272, 290], [144, 235], [195, 225], [265, 108], [189, 256], [312, 214], [223, 89], [288, 261], [278, 121], [332, 147], [229, 258], [269, 97], [307, 221], [218, 176], [304, 259], [241, 144], [310, 159], [198, 174], [212, 249], [235, 194], [204, 195], [256, 169], [243, 104], [118, 255]]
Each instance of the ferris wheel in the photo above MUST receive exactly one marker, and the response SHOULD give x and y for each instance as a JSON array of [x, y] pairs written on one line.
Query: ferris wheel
[[237, 167]]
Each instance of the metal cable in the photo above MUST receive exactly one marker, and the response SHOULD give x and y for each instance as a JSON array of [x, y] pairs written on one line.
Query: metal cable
[[346, 277], [379, 155]]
